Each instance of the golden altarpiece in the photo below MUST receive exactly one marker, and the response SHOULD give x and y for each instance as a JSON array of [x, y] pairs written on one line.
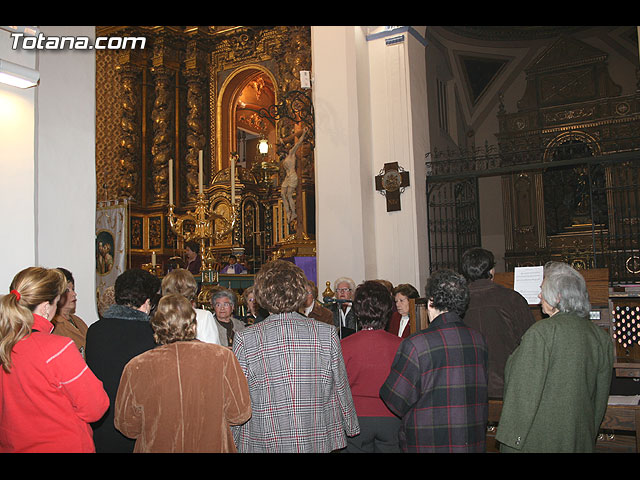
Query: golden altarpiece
[[178, 130]]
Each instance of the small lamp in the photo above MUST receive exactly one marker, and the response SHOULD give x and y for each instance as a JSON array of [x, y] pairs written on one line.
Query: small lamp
[[263, 146], [17, 75]]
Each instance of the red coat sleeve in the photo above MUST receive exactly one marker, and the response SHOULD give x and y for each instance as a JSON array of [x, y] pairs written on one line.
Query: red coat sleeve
[[77, 381]]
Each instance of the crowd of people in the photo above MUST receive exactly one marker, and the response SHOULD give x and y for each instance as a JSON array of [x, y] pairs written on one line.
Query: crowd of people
[[296, 374]]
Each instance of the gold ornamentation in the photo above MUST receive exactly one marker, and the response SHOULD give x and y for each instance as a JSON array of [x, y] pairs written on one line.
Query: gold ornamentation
[[195, 134], [161, 148], [204, 222], [129, 142]]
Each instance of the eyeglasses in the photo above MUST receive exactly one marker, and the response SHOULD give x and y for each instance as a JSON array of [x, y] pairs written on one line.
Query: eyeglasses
[[223, 305], [343, 290]]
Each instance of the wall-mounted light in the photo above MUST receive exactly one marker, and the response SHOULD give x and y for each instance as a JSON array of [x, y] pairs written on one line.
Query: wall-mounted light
[[263, 146], [18, 75]]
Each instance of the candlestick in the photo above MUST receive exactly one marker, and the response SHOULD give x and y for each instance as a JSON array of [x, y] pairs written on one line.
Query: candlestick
[[171, 181], [153, 258], [200, 173]]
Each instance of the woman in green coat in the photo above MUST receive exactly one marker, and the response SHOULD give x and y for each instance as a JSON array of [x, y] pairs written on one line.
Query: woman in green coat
[[557, 381]]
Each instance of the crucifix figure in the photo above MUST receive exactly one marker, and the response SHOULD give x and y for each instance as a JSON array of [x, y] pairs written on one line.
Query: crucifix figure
[[391, 182]]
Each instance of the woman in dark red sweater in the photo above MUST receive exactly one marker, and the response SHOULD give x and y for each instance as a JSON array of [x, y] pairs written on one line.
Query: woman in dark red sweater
[[368, 355], [48, 395]]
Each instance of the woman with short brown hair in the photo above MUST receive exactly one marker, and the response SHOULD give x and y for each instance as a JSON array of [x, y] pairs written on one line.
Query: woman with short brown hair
[[299, 388]]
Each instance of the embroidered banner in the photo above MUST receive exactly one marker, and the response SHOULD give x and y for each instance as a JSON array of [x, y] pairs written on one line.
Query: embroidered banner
[[110, 248]]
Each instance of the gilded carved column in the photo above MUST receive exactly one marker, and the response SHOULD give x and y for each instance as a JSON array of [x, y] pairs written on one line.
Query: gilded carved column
[[294, 58], [128, 158], [195, 132], [195, 73], [161, 117]]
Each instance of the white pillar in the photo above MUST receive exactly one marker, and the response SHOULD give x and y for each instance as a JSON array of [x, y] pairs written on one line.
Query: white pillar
[[400, 134], [371, 109], [341, 217]]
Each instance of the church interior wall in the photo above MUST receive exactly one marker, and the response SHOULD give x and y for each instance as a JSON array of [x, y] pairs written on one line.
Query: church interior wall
[[390, 130], [51, 132], [421, 143], [66, 165], [388, 122], [48, 190], [367, 152], [17, 154], [339, 219]]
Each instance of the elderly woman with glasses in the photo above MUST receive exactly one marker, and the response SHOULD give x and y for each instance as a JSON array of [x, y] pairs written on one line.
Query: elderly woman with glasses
[[343, 317], [557, 380], [224, 303]]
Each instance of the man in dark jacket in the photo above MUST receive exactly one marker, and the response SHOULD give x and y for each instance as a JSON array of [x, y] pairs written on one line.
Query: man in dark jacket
[[122, 333], [502, 315]]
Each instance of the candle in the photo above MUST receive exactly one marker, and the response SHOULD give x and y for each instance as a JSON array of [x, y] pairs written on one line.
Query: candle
[[200, 173], [171, 181], [153, 258], [233, 180]]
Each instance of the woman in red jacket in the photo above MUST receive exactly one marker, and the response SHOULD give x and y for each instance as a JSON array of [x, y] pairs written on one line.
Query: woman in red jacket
[[48, 395], [368, 355]]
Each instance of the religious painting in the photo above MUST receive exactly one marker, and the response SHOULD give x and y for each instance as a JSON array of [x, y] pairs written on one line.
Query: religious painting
[[104, 252]]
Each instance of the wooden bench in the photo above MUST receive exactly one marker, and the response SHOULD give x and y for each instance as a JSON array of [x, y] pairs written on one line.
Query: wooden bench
[[618, 430]]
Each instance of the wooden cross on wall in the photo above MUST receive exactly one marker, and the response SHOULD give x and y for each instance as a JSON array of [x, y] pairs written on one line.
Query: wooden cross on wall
[[391, 182]]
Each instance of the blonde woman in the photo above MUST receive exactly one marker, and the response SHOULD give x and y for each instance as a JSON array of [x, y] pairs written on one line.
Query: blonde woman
[[48, 395], [180, 281]]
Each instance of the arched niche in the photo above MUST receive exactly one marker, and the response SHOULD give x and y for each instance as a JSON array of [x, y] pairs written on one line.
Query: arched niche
[[573, 193], [243, 94]]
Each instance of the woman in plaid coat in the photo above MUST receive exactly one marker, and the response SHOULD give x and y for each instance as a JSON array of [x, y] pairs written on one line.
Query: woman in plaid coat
[[300, 395], [438, 379]]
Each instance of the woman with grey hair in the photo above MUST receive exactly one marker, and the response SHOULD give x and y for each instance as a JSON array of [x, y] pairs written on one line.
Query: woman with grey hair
[[224, 303], [343, 318], [557, 381], [564, 291]]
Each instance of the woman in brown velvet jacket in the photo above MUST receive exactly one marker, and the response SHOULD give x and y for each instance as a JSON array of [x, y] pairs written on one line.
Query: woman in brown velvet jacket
[[183, 395]]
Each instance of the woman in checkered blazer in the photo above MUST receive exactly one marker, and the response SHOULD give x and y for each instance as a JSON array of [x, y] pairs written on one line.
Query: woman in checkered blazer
[[300, 395]]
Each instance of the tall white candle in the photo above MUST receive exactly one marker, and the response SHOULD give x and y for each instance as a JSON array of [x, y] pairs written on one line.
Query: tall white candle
[[153, 258], [233, 180], [171, 181], [200, 172]]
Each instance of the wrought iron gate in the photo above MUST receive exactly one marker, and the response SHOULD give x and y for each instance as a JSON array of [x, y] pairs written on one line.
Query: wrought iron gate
[[590, 206]]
